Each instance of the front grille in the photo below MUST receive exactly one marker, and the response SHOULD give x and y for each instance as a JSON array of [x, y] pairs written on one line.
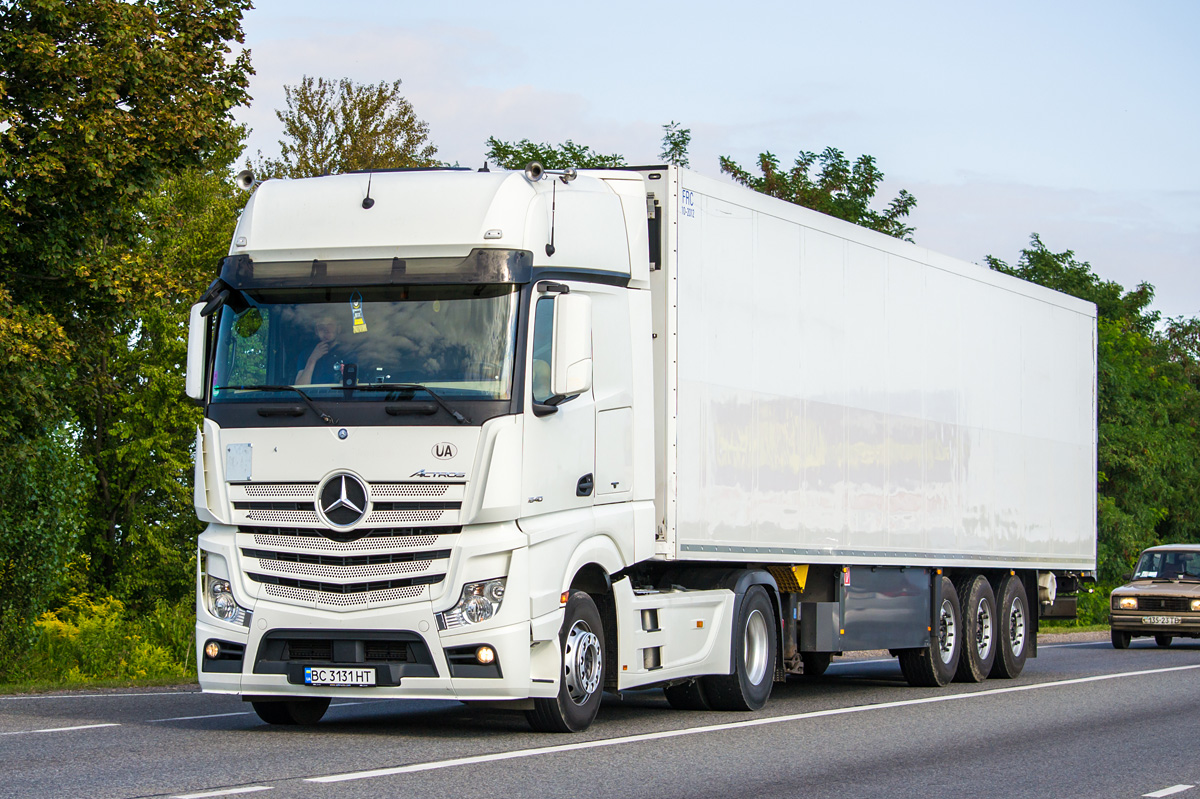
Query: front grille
[[394, 653], [308, 650], [1172, 603], [346, 588], [313, 567]]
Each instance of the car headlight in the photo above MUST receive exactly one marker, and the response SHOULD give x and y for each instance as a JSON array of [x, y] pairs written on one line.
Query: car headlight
[[1127, 603], [479, 602], [1196, 604], [218, 599]]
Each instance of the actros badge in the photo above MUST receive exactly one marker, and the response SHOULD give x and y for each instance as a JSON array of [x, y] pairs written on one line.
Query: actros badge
[[342, 500]]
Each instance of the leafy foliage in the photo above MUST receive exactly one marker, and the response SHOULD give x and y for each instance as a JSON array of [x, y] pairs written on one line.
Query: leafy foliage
[[43, 494], [1148, 407], [96, 639], [516, 155], [675, 144], [101, 103], [838, 189], [342, 126]]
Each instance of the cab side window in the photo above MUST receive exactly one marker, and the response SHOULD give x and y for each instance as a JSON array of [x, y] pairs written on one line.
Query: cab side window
[[543, 345]]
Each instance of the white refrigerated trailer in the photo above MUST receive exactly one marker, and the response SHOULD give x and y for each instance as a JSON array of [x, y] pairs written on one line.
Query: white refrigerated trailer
[[523, 438]]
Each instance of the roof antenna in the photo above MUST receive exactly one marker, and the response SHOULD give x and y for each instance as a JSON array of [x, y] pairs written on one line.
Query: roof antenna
[[367, 201], [484, 168]]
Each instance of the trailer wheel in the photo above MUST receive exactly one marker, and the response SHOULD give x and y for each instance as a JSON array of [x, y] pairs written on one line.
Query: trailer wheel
[[1121, 639], [979, 630], [581, 677], [933, 666], [687, 696], [754, 657], [1013, 613], [293, 711], [1164, 640], [815, 663]]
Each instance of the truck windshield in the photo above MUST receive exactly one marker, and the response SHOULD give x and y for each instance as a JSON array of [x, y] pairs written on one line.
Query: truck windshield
[[1168, 565], [457, 340]]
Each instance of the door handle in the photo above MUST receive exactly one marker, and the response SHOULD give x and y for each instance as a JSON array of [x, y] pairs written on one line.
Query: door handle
[[584, 487]]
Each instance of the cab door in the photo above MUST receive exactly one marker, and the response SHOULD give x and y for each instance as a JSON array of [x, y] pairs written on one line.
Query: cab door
[[558, 461]]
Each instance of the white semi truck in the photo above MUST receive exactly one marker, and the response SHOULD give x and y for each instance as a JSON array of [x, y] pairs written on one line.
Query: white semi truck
[[528, 437]]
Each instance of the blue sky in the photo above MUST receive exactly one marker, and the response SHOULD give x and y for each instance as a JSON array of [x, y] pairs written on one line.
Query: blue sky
[[1075, 120]]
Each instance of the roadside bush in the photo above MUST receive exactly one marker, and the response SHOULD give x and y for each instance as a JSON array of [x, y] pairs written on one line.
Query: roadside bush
[[94, 639]]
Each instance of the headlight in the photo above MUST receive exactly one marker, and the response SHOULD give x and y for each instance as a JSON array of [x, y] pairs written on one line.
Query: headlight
[[218, 599], [479, 602], [1127, 603], [1196, 604]]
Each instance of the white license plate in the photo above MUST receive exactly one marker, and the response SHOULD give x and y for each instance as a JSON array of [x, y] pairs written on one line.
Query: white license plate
[[323, 676], [1161, 620]]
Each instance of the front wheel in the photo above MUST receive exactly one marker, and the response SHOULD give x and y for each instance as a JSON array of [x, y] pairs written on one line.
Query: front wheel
[[1164, 640], [754, 657], [1121, 639], [581, 677]]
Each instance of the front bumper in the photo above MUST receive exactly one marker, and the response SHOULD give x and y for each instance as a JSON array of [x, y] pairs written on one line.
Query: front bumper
[[1135, 622], [262, 674]]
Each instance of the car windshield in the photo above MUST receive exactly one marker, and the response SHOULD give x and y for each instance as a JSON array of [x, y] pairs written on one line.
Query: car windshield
[[457, 340], [1168, 565]]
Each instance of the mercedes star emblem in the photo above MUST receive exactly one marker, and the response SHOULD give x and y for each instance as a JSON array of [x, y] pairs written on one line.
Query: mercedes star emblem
[[343, 500]]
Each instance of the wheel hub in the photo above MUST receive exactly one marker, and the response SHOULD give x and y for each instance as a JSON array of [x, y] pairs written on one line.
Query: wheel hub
[[947, 632], [583, 663]]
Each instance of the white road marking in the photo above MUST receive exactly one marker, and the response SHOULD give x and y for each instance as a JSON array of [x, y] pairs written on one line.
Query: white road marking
[[61, 729], [193, 718], [554, 750], [1082, 643], [1169, 791], [98, 696], [226, 792]]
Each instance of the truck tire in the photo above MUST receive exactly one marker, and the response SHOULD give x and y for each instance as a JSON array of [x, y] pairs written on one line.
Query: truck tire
[[933, 666], [749, 687], [581, 676], [293, 711], [1012, 644], [1121, 639], [979, 629], [815, 663], [1164, 640], [687, 696]]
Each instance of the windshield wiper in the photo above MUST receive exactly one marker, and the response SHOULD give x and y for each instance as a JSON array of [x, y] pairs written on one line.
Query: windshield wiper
[[458, 417], [324, 416]]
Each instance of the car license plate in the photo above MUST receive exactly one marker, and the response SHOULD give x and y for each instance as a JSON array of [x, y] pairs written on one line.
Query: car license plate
[[1161, 620], [324, 676]]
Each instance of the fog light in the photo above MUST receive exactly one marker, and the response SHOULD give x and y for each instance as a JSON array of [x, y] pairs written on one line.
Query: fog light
[[485, 655], [211, 650]]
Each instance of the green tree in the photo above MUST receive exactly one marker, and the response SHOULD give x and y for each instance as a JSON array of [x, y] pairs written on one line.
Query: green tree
[[516, 155], [837, 188], [1148, 405], [100, 102], [675, 144], [341, 126]]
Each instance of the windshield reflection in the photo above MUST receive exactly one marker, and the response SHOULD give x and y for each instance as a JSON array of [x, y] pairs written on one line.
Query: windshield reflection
[[458, 340]]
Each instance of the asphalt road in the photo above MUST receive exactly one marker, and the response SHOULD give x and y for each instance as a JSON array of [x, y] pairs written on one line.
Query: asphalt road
[[1082, 720]]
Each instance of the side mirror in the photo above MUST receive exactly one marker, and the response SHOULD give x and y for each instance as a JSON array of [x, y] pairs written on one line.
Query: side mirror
[[1127, 576], [571, 369], [197, 340]]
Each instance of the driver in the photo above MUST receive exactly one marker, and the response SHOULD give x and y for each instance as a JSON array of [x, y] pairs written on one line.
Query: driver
[[324, 362]]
